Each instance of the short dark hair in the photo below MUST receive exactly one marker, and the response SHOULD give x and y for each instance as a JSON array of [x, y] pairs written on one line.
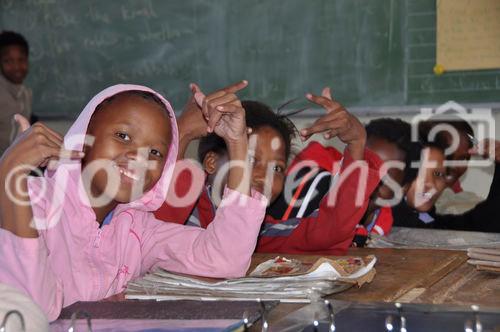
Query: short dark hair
[[398, 132], [257, 115], [441, 139], [10, 38], [139, 93]]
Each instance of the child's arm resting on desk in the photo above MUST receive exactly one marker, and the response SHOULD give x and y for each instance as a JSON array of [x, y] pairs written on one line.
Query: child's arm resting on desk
[[223, 250]]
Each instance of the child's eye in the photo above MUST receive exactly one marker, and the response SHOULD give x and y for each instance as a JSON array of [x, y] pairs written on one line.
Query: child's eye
[[123, 136], [278, 169], [156, 153], [439, 174]]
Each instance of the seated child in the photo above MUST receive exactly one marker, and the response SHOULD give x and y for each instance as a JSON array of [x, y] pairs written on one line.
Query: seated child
[[93, 227], [331, 229], [390, 141], [424, 190], [418, 209], [445, 128]]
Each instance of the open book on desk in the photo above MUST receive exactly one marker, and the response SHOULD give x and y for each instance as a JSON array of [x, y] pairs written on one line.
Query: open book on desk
[[286, 280]]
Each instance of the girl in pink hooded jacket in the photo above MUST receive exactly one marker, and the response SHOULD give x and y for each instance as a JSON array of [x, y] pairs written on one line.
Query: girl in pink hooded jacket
[[85, 229]]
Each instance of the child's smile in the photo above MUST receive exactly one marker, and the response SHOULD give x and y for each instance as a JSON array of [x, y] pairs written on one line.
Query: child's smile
[[132, 137]]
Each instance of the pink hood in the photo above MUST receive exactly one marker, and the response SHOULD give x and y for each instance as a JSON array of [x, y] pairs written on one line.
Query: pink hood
[[77, 259], [75, 137]]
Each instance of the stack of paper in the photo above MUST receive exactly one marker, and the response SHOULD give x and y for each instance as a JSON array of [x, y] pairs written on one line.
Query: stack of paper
[[277, 279], [485, 259]]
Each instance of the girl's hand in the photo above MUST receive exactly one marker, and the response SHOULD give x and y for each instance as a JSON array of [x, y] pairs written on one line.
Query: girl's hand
[[483, 149], [337, 122], [226, 117], [192, 125], [36, 146], [223, 112]]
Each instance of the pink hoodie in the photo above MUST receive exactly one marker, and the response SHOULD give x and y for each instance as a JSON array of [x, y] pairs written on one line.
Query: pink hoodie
[[75, 260]]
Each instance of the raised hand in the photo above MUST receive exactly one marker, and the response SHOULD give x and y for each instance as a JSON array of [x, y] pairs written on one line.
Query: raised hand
[[36, 146], [337, 122], [226, 117], [223, 112], [191, 123]]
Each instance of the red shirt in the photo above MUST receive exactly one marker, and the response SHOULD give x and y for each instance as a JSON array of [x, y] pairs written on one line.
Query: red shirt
[[328, 230]]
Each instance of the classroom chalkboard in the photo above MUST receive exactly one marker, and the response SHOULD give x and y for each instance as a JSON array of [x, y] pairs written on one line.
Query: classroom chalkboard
[[372, 53]]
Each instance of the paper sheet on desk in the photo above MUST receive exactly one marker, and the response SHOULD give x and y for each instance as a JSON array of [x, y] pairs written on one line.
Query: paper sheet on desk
[[276, 279]]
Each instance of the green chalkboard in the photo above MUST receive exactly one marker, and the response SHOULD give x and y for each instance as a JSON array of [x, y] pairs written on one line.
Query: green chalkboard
[[365, 50], [423, 87]]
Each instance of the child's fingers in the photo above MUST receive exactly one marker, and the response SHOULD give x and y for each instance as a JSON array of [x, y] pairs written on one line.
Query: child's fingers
[[337, 123], [194, 88], [319, 100], [219, 112], [326, 93], [213, 104], [51, 134], [330, 105], [226, 99], [330, 117], [215, 95], [317, 128], [205, 108], [199, 97], [233, 88], [229, 108], [22, 122], [43, 138], [213, 120]]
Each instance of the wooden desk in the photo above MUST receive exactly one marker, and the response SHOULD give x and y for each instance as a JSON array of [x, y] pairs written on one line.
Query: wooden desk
[[413, 276], [406, 275]]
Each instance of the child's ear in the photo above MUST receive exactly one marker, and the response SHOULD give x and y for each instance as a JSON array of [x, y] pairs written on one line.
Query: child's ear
[[210, 162]]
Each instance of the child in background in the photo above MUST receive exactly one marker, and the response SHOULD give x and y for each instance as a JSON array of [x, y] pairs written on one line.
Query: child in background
[[94, 227], [331, 229], [424, 190], [454, 199], [418, 210], [390, 141], [15, 98]]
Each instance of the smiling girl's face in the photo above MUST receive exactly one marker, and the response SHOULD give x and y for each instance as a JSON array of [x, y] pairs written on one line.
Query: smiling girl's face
[[132, 138]]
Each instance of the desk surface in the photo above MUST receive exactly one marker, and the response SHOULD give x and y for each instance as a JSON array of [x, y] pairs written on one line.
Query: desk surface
[[414, 276], [409, 276]]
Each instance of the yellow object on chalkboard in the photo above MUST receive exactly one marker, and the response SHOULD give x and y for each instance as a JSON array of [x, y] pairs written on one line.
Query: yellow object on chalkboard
[[468, 34], [438, 69]]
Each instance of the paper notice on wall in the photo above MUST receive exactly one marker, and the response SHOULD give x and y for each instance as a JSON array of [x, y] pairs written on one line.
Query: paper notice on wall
[[468, 34]]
